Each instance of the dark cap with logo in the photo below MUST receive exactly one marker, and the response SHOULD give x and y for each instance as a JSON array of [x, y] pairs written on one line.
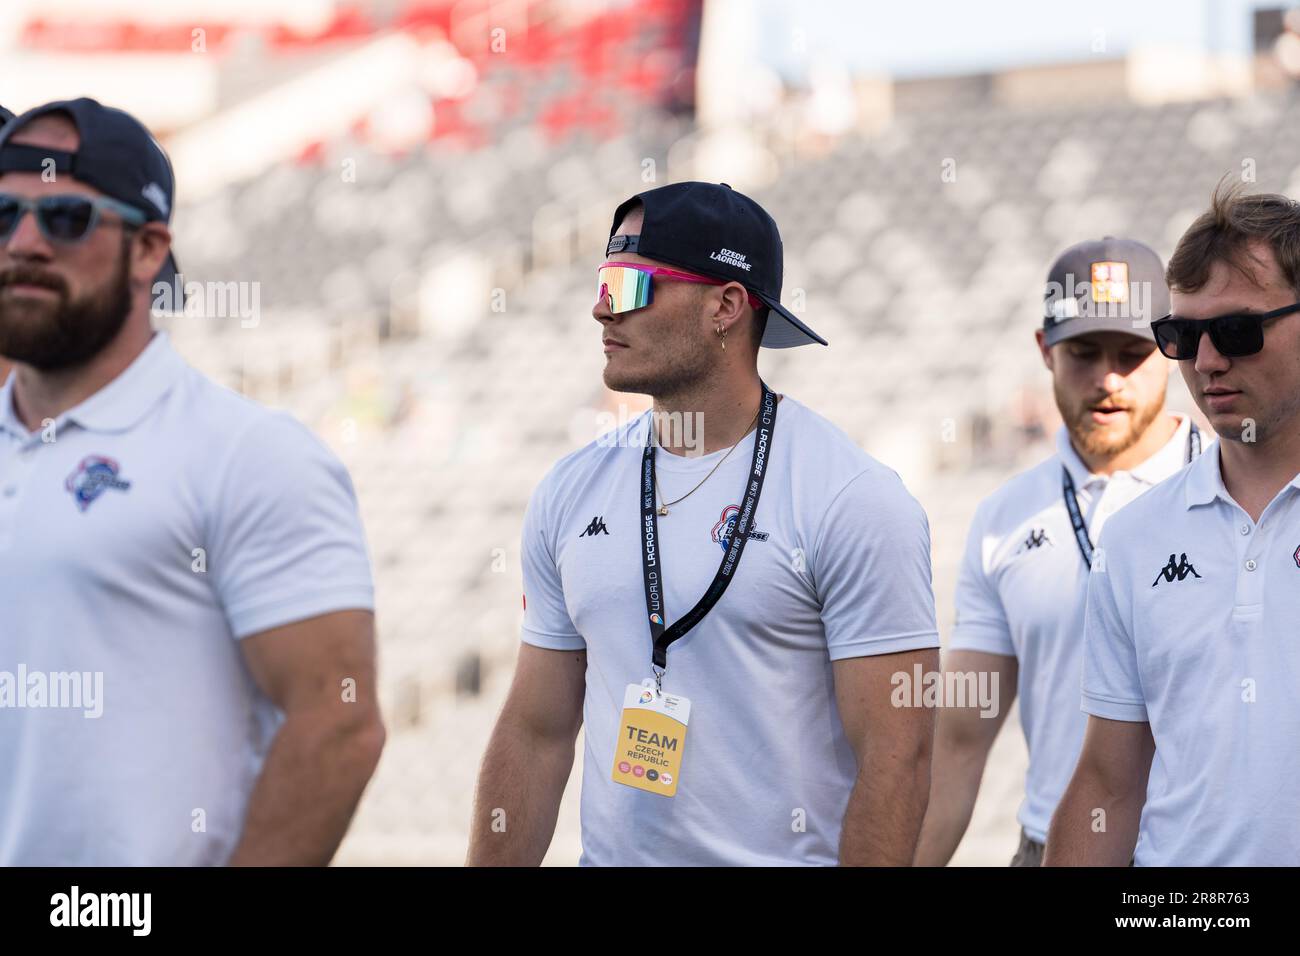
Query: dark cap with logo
[[712, 230], [1104, 285], [116, 155]]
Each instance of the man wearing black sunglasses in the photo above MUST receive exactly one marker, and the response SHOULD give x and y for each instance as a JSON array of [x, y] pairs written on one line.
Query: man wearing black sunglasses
[[186, 636], [1191, 653]]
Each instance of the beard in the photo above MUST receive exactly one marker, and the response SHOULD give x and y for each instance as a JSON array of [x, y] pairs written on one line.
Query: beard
[[1107, 442], [68, 333], [665, 380], [677, 369]]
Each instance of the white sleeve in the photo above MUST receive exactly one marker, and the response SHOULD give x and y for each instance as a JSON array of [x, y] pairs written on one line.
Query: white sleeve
[[871, 569], [284, 537], [546, 617], [981, 623], [1112, 684]]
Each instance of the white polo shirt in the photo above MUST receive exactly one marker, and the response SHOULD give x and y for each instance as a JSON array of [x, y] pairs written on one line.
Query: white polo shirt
[[837, 566], [1021, 592], [131, 732], [1193, 628]]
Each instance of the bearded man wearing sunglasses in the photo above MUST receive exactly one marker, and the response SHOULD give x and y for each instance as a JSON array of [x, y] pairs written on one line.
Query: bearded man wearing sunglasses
[[731, 656], [186, 639], [1191, 651], [1023, 580]]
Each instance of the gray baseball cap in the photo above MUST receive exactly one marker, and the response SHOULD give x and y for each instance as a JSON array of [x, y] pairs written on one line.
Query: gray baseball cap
[[1104, 285]]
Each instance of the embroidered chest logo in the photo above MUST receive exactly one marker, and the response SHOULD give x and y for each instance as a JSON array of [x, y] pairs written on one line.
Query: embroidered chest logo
[[95, 475], [596, 527], [721, 533], [1297, 557], [1037, 538], [1176, 570]]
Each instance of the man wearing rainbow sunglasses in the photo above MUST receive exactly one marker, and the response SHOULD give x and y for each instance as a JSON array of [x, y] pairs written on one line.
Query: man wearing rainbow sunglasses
[[726, 617]]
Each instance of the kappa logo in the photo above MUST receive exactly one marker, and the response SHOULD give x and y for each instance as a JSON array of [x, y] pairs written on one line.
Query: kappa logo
[[1176, 570], [596, 527], [94, 475], [721, 533], [1037, 538]]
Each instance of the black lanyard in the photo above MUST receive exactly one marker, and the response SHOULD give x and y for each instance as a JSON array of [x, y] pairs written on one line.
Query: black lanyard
[[1072, 500], [652, 561]]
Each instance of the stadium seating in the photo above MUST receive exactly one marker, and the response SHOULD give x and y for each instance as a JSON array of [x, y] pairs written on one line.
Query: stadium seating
[[925, 285]]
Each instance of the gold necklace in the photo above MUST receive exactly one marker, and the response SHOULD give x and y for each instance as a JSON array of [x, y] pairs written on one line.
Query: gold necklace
[[663, 505]]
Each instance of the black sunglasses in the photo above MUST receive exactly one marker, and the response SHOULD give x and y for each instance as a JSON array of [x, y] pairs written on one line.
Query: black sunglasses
[[1233, 335], [64, 219]]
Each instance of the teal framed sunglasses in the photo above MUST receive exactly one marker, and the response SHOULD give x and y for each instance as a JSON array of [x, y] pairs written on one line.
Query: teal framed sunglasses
[[64, 219]]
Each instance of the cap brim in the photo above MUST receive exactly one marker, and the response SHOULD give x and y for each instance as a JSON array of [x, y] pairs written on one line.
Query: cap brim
[[1083, 325], [783, 330]]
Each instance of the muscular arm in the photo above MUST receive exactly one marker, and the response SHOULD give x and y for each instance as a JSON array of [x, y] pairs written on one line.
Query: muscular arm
[[1111, 777], [328, 746], [892, 745], [528, 759], [962, 742]]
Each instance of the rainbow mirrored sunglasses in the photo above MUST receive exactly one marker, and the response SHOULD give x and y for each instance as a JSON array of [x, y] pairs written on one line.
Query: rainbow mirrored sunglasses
[[625, 286]]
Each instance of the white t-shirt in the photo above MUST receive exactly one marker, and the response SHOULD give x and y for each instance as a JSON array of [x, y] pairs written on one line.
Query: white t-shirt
[[1021, 592], [1193, 628], [159, 733], [837, 566]]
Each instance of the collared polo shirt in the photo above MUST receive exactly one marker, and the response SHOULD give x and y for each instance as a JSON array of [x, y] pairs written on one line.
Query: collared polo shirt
[[1193, 628], [143, 534], [1021, 592], [837, 566]]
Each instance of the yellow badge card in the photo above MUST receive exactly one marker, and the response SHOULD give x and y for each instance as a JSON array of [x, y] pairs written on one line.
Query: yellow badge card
[[651, 736]]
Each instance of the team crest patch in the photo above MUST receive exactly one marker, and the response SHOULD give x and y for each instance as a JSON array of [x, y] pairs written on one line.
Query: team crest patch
[[721, 533], [95, 475], [1110, 282]]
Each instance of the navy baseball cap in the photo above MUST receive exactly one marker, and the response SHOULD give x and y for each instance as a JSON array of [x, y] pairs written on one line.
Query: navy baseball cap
[[116, 155], [712, 230], [1104, 285]]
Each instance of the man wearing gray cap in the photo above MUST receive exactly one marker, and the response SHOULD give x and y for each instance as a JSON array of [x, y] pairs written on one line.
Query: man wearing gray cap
[[1022, 587]]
